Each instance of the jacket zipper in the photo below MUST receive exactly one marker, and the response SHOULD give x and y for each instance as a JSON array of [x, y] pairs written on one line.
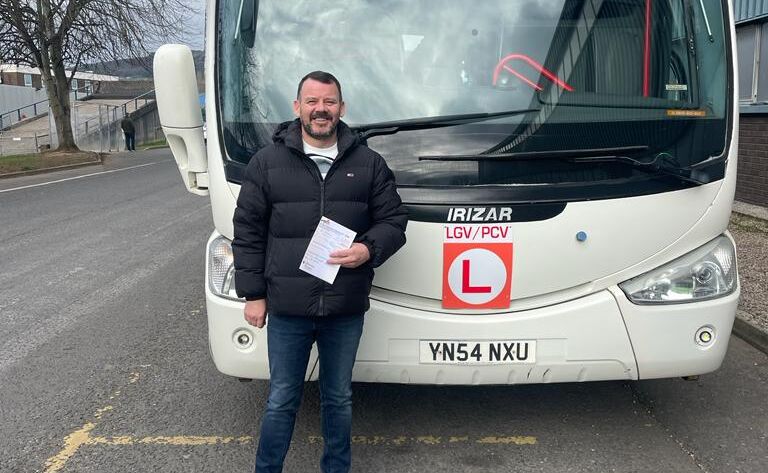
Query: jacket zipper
[[322, 212], [319, 176], [321, 305]]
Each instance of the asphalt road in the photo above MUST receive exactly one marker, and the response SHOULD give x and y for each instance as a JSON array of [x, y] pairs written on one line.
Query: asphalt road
[[104, 364]]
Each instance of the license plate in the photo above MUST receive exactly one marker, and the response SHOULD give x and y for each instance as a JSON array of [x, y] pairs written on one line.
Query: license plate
[[484, 352]]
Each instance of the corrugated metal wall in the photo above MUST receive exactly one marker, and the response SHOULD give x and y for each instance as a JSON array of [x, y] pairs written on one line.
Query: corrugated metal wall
[[745, 10]]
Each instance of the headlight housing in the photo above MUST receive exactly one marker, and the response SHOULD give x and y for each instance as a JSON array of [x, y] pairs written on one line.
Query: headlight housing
[[221, 268], [707, 272]]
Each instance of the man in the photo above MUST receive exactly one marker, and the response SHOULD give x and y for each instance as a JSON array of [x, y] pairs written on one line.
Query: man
[[130, 133], [315, 168]]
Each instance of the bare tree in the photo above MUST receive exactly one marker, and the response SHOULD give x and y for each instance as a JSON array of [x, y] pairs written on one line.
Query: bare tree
[[60, 35]]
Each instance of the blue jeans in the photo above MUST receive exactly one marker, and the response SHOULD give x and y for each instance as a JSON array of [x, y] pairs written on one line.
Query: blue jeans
[[289, 344], [130, 141]]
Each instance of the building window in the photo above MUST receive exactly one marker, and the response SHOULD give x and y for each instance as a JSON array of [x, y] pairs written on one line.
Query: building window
[[27, 80], [74, 84], [752, 45]]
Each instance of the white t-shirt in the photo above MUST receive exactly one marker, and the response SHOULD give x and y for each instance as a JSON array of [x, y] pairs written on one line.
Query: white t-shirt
[[323, 157]]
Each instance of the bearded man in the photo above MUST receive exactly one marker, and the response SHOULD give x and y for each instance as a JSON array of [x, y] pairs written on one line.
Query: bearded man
[[316, 167]]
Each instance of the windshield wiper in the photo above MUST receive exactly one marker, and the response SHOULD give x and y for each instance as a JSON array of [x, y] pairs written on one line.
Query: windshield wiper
[[706, 21], [657, 165], [425, 123], [601, 153], [247, 15]]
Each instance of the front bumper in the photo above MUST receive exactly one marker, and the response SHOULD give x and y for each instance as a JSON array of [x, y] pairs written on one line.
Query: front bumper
[[602, 336]]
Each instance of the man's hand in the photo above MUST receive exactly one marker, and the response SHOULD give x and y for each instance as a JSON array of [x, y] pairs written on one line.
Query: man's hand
[[351, 257], [256, 312]]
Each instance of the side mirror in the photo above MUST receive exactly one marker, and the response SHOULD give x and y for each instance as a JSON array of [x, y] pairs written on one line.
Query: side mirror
[[179, 109]]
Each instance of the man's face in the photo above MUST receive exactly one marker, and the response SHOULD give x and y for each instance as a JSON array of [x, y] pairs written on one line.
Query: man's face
[[319, 109]]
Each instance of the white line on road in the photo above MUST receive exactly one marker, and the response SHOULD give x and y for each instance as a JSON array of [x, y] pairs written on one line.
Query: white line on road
[[85, 175]]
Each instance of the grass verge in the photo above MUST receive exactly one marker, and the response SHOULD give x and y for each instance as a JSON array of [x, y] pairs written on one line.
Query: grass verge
[[50, 159]]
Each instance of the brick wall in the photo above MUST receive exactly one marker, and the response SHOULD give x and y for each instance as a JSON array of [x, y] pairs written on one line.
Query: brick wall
[[13, 78], [752, 177], [17, 78]]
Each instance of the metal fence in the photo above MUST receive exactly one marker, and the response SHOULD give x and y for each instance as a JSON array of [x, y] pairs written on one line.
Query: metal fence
[[103, 132], [95, 126], [36, 109]]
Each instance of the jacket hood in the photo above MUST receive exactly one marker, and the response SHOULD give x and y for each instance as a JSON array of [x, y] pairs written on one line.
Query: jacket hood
[[289, 134]]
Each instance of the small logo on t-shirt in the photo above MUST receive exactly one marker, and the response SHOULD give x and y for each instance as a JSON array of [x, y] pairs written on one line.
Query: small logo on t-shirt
[[350, 174]]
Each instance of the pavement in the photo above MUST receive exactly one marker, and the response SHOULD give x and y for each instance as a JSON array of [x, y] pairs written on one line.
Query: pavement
[[752, 210]]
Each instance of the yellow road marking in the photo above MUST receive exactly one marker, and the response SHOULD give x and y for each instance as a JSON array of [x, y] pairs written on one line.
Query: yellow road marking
[[365, 440], [192, 440], [72, 443], [169, 440], [516, 440], [81, 436], [431, 440], [101, 411]]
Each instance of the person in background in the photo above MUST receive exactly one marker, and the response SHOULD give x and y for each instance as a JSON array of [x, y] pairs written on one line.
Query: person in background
[[130, 133]]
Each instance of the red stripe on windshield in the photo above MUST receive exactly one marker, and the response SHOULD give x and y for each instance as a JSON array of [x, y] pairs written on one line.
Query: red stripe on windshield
[[522, 78], [541, 69]]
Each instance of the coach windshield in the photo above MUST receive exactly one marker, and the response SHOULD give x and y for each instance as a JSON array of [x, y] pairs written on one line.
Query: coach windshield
[[646, 80]]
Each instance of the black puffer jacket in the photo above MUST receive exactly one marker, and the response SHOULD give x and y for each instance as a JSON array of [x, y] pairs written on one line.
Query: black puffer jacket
[[280, 204]]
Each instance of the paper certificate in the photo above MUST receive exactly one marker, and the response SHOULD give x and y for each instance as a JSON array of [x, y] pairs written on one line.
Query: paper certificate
[[329, 236]]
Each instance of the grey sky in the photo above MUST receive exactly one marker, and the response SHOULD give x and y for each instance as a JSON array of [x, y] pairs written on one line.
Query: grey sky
[[195, 26]]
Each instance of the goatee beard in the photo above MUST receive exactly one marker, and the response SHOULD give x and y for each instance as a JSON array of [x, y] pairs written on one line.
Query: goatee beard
[[319, 136]]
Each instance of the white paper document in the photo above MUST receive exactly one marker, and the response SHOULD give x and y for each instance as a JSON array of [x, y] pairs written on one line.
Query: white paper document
[[329, 236]]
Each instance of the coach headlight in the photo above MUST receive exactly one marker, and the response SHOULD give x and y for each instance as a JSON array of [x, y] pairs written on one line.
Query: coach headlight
[[705, 273], [221, 268]]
